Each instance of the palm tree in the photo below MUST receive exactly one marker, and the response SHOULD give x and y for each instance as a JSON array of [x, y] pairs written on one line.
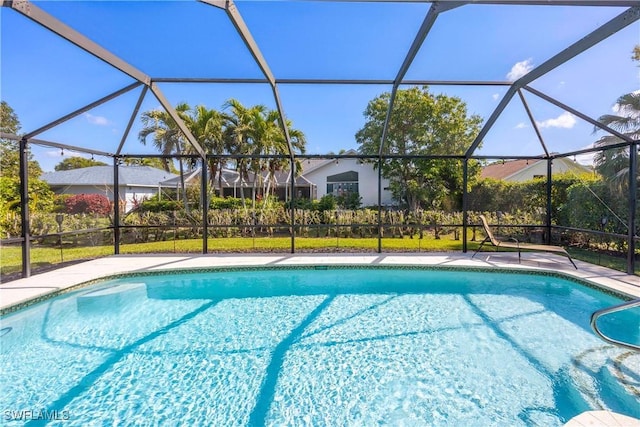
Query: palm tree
[[262, 136], [613, 164], [256, 131], [167, 137], [236, 136], [206, 125], [279, 146]]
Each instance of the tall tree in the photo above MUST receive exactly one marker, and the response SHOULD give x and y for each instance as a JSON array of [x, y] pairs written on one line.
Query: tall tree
[[263, 140], [153, 162], [206, 125], [40, 195], [9, 123], [256, 131], [237, 129], [421, 124], [167, 138], [77, 162], [279, 146], [613, 164]]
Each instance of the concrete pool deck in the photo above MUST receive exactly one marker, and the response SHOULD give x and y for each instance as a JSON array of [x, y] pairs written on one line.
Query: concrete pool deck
[[22, 291]]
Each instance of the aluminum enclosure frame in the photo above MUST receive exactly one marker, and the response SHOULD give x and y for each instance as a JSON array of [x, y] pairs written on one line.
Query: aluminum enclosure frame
[[629, 16]]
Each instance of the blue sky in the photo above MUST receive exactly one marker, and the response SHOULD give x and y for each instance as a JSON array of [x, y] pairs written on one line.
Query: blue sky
[[44, 77]]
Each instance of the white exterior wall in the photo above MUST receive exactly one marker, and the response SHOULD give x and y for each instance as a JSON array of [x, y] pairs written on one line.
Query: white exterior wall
[[527, 174], [540, 168], [367, 180], [136, 194]]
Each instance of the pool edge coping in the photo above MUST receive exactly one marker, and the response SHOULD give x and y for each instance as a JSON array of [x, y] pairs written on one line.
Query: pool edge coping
[[13, 308]]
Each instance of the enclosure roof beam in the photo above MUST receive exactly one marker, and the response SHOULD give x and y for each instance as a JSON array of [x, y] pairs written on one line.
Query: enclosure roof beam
[[606, 3], [619, 22], [11, 136], [132, 119], [82, 110], [41, 17], [176, 118], [68, 147], [533, 122], [593, 150], [14, 137], [302, 81], [36, 14], [344, 156], [243, 30], [583, 116], [423, 32], [428, 22]]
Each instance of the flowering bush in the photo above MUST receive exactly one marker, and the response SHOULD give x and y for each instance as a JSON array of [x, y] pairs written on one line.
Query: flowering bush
[[88, 203]]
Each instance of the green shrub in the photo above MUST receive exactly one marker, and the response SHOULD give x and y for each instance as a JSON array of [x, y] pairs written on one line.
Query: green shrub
[[155, 205], [327, 203], [349, 201], [225, 203], [305, 204]]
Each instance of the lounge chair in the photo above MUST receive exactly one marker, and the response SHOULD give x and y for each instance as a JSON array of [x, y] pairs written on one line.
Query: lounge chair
[[514, 244]]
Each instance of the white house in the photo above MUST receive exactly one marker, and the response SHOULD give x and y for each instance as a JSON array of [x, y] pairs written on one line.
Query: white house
[[340, 176], [135, 182], [319, 177]]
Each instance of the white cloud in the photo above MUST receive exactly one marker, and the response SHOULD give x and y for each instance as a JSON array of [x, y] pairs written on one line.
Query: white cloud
[[495, 96], [96, 120], [61, 154], [617, 108], [520, 69], [565, 120], [585, 159], [520, 125], [54, 153]]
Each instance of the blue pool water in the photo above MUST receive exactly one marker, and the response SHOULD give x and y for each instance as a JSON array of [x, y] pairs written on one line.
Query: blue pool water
[[330, 347]]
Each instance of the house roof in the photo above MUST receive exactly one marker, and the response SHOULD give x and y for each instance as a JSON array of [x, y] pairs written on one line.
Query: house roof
[[231, 177], [507, 169], [502, 170], [313, 164], [143, 176], [174, 181]]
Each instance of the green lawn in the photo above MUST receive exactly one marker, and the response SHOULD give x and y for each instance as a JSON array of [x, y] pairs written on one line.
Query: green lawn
[[44, 257]]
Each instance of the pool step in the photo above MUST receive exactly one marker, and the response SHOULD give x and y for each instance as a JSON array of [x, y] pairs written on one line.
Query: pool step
[[619, 388], [117, 297], [607, 378]]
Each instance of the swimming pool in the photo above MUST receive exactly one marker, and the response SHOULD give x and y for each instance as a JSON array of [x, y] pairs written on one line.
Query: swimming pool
[[310, 346]]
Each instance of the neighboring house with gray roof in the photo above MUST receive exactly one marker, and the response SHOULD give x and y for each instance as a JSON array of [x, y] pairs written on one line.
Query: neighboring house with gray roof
[[135, 182]]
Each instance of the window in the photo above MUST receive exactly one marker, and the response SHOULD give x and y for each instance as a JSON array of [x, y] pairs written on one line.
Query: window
[[342, 183]]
